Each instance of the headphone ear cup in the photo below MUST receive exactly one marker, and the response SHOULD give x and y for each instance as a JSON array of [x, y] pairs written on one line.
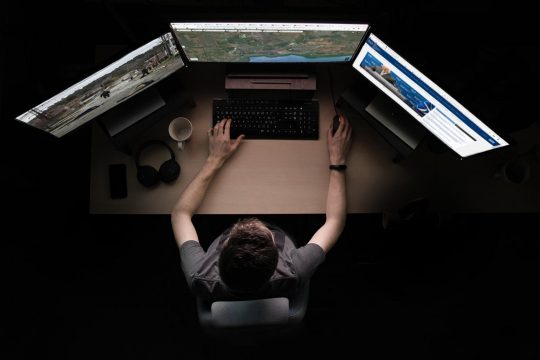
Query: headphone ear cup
[[169, 170], [147, 175]]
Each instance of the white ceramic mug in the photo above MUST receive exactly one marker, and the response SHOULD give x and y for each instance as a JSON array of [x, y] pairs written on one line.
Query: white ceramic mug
[[180, 130]]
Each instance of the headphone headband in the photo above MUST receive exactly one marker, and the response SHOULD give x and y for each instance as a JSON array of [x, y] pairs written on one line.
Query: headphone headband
[[150, 143]]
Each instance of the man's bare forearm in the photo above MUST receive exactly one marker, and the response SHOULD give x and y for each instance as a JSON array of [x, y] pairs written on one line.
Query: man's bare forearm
[[336, 201], [220, 149], [193, 195], [336, 213]]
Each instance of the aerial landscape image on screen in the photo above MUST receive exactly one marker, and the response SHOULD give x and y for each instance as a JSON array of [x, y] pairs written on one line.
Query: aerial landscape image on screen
[[106, 88], [302, 46]]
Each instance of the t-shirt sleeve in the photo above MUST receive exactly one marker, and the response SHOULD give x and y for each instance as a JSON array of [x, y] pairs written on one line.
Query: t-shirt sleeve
[[306, 259], [191, 256]]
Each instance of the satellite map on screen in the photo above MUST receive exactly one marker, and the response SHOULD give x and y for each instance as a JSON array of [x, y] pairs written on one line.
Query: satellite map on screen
[[262, 46]]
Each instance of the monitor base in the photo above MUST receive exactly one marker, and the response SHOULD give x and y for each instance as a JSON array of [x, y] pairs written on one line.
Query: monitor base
[[128, 122], [397, 127]]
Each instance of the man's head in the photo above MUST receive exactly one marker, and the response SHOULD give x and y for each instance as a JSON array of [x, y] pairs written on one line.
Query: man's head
[[249, 256]]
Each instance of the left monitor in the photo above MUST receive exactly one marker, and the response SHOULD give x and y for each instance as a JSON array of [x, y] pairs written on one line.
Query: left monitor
[[106, 88]]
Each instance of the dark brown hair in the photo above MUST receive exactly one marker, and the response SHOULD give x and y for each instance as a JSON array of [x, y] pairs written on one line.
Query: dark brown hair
[[249, 256]]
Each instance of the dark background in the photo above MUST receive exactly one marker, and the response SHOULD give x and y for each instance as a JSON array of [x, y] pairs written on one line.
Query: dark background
[[82, 286]]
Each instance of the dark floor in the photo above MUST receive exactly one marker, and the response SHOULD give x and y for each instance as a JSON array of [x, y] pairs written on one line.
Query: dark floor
[[77, 286], [112, 285]]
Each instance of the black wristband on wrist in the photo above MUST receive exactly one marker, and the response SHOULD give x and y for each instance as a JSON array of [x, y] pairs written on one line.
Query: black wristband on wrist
[[341, 167]]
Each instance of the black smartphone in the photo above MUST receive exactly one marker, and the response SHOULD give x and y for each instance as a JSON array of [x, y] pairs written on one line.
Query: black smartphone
[[117, 181]]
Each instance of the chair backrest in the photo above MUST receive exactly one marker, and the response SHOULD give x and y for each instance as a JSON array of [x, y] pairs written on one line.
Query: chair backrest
[[255, 320], [261, 312]]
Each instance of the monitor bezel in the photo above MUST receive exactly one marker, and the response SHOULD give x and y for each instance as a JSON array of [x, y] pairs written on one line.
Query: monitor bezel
[[454, 153], [187, 61]]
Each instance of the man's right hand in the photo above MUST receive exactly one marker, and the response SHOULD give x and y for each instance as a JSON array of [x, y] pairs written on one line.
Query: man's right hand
[[340, 142], [221, 146]]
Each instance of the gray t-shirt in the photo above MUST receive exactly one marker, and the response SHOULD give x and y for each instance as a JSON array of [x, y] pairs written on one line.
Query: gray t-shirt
[[294, 269]]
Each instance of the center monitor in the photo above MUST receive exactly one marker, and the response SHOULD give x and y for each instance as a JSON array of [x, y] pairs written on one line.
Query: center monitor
[[265, 42]]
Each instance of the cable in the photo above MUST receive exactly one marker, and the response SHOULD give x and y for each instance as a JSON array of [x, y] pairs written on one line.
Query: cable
[[332, 90]]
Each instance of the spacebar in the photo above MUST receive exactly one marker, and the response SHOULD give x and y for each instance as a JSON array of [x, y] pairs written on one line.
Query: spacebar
[[248, 132], [287, 125], [253, 134]]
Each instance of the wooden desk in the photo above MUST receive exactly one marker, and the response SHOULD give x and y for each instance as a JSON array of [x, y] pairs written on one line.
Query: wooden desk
[[291, 177]]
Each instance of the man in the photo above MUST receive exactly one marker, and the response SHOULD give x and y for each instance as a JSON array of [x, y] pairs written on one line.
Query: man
[[253, 259]]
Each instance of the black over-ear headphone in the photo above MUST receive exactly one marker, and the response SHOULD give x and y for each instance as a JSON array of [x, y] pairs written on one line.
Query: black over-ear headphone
[[149, 176]]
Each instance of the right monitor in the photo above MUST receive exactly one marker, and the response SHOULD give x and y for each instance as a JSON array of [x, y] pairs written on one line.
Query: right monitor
[[441, 114]]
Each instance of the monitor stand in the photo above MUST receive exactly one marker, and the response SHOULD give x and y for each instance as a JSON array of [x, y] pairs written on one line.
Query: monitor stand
[[270, 81], [131, 111], [127, 120], [390, 115], [393, 123]]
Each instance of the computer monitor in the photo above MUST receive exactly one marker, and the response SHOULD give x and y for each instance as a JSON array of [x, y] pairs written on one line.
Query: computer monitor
[[431, 106], [106, 88], [265, 42]]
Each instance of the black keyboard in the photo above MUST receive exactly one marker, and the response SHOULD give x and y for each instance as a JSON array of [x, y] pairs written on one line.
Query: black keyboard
[[269, 119]]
